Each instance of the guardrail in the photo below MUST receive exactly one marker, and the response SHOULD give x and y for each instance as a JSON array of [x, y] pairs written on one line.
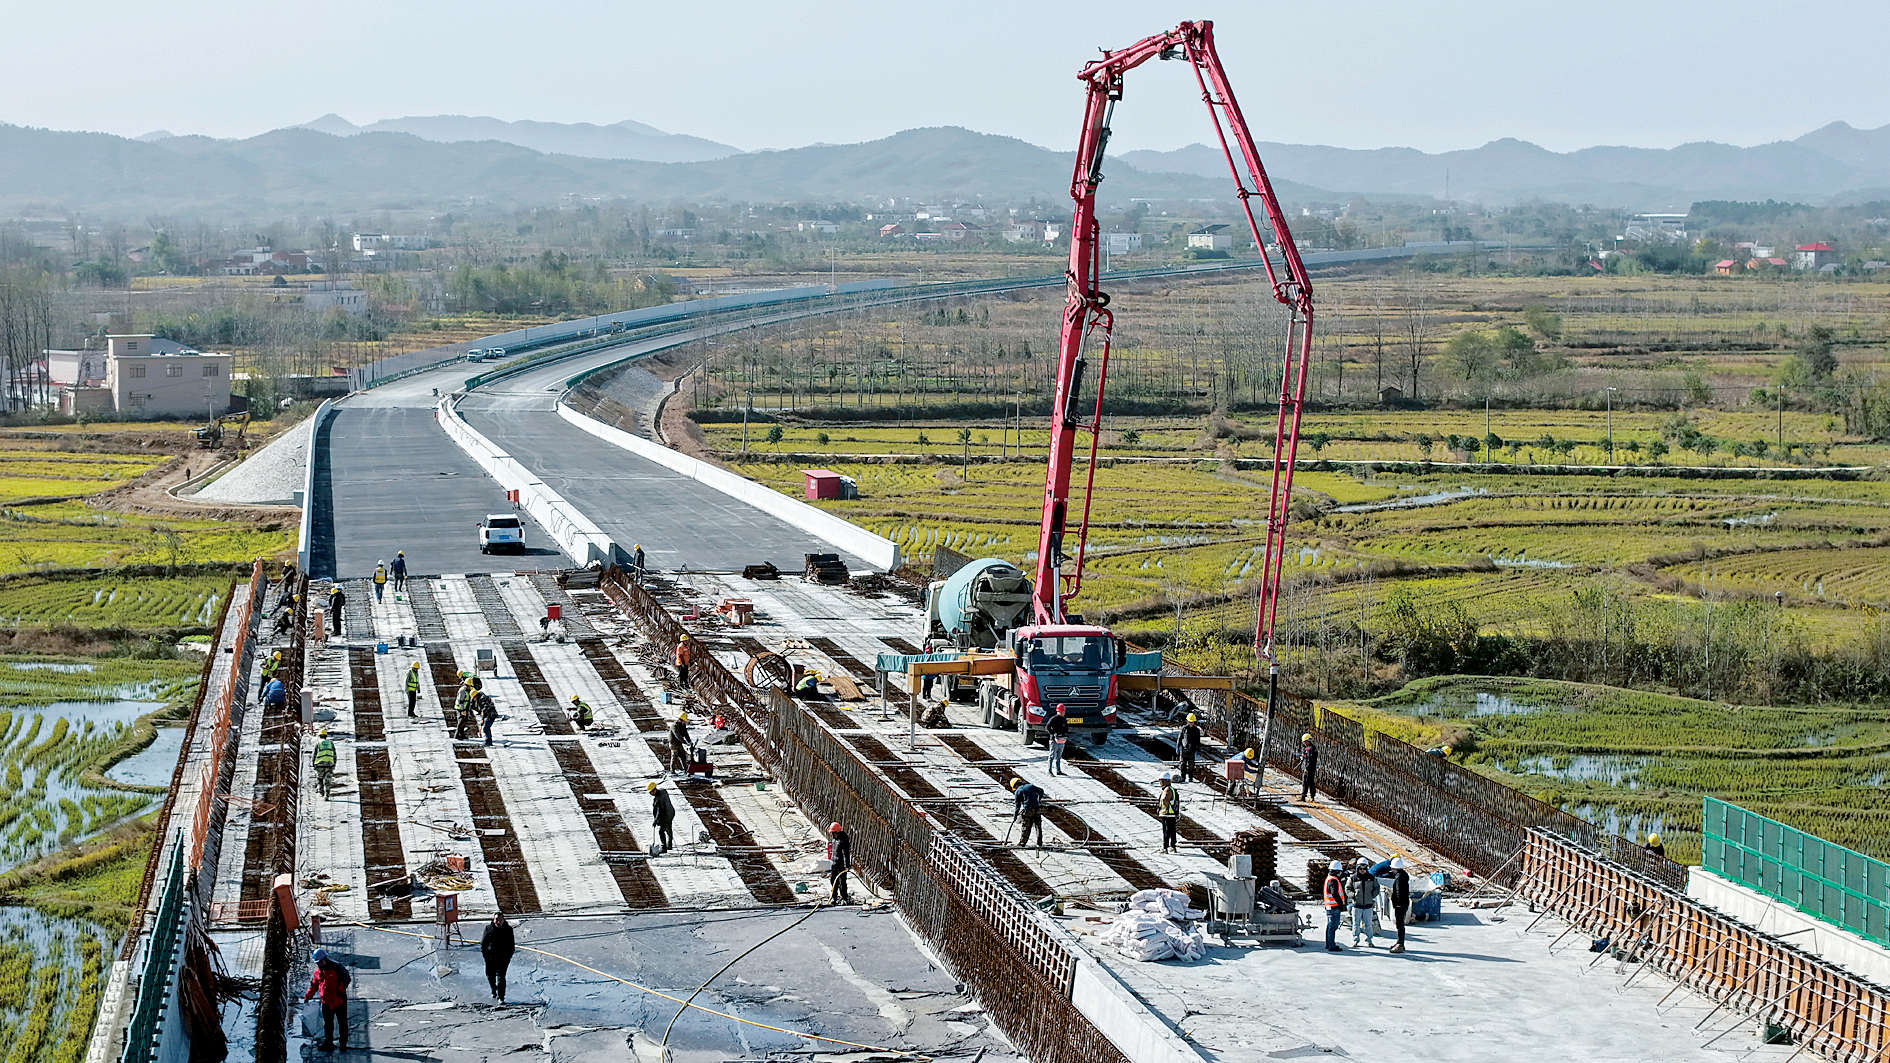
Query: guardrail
[[157, 978], [1823, 1008], [1840, 886]]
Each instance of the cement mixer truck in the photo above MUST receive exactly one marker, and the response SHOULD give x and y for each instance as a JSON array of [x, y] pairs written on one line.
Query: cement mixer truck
[[983, 609]]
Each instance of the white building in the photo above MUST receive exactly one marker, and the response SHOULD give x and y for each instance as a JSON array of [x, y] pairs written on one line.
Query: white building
[[181, 382], [817, 226], [367, 243], [1211, 238], [343, 297], [1118, 243]]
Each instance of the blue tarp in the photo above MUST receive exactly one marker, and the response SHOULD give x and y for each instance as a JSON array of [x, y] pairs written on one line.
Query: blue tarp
[[897, 662], [1142, 662]]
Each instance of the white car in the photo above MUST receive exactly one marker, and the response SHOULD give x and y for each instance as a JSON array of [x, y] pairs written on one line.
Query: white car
[[501, 531]]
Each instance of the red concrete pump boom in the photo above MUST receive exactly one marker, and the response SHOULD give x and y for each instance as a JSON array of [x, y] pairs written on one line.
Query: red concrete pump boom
[[1087, 319]]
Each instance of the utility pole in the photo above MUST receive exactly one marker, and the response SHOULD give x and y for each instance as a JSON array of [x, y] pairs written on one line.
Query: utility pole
[[1781, 422], [1609, 392]]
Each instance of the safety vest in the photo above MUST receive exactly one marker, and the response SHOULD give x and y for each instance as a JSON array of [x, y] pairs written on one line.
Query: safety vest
[[1335, 892], [269, 666], [1170, 804], [583, 713], [380, 573], [684, 651], [413, 680], [325, 754]]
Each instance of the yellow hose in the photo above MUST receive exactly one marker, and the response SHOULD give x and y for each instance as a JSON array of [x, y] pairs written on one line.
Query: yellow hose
[[666, 996]]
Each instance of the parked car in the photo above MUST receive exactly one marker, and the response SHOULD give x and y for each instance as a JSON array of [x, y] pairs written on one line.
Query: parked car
[[501, 531]]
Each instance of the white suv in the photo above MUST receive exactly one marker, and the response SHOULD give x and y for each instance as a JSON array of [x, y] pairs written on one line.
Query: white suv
[[501, 531]]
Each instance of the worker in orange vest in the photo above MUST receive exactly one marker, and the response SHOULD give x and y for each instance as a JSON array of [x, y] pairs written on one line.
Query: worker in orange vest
[[685, 652], [1335, 905]]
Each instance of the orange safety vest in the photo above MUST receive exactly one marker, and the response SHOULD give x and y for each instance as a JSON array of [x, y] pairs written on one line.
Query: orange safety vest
[[685, 652], [1335, 892]]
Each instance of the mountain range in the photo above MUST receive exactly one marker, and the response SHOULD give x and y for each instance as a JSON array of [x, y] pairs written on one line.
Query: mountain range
[[443, 162], [620, 140]]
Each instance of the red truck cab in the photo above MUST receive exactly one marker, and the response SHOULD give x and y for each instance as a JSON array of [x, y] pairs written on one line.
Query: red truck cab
[[1073, 665]]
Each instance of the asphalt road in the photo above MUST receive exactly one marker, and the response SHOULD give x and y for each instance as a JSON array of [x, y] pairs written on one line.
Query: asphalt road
[[403, 485]]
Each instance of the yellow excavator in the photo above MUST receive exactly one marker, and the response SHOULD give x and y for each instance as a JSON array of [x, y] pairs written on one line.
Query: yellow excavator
[[212, 435]]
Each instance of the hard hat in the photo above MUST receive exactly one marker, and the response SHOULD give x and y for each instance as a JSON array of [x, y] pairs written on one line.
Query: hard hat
[[652, 786], [1248, 753], [1397, 863], [1060, 707], [1447, 751], [335, 589], [639, 546], [1362, 862], [1307, 737], [400, 553], [320, 955], [415, 664], [278, 653], [834, 827], [1654, 838], [574, 699], [324, 732], [468, 681], [1016, 782], [1167, 777], [1192, 718], [682, 640], [380, 561], [682, 717], [1337, 865]]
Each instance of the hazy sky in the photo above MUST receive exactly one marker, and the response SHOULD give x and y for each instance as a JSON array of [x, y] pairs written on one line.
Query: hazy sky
[[764, 73]]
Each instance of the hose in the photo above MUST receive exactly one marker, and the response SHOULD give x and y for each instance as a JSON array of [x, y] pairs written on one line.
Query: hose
[[721, 970]]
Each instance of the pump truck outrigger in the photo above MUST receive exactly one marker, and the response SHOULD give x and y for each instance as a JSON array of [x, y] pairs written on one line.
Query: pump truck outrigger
[[1056, 658]]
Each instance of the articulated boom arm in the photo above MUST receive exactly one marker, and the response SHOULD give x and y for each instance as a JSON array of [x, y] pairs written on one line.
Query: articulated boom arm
[[1086, 313]]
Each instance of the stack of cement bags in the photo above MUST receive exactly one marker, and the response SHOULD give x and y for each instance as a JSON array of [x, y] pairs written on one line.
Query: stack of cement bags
[[1156, 925]]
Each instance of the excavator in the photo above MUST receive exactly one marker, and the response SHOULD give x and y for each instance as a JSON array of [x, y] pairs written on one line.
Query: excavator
[[210, 436], [1056, 658]]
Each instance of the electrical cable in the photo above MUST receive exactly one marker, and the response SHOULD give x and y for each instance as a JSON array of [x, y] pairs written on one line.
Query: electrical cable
[[659, 993], [724, 968]]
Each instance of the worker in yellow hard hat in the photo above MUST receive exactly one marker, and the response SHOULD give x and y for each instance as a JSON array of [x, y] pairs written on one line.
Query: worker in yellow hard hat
[[413, 689], [679, 743], [1188, 744], [1308, 768], [581, 713], [662, 814], [1655, 847], [684, 654]]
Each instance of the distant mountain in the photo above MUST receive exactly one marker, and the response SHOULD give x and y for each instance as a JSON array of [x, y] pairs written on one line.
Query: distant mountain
[[623, 140], [1835, 162], [302, 170]]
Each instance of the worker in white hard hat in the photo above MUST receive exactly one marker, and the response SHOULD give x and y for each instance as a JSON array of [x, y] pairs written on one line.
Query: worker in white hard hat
[[1334, 899], [1188, 745]]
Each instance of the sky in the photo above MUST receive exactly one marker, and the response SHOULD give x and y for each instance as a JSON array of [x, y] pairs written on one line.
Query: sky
[[1436, 75]]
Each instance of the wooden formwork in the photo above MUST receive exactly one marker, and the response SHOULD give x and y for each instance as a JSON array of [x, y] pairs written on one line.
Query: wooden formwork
[[1825, 1009]]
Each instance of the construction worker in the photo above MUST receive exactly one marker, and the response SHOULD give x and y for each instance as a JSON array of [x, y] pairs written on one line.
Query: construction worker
[[1190, 744], [664, 814], [413, 690], [581, 713], [1168, 810], [270, 664], [679, 743], [840, 855], [1654, 847], [1363, 891], [1308, 768], [1057, 735], [685, 652], [285, 614], [1027, 801], [380, 579], [463, 706], [330, 980], [808, 685], [336, 600], [636, 559], [488, 713], [400, 570], [497, 945], [1335, 905], [324, 763], [1250, 769], [288, 581], [275, 696], [1400, 890]]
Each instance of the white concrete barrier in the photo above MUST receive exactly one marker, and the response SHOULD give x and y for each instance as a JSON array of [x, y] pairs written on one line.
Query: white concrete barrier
[[571, 530], [876, 550], [1122, 1017], [1769, 915], [322, 414]]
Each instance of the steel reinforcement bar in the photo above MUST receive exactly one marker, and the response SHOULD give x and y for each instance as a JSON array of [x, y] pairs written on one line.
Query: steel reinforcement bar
[[1824, 1008]]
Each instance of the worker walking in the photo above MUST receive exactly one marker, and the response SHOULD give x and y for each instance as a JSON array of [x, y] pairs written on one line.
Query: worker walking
[[1168, 810], [840, 857], [324, 763], [330, 981], [1027, 801], [1364, 895], [679, 743], [1400, 894], [1335, 905], [400, 570], [1190, 744], [336, 601], [380, 579], [1308, 768], [413, 690], [497, 945], [581, 713], [685, 652], [663, 812], [1057, 733]]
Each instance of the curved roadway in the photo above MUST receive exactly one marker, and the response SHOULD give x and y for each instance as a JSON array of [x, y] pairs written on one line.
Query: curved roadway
[[387, 477]]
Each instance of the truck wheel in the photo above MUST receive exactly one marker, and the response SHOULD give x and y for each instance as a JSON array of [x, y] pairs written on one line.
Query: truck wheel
[[1023, 725], [1098, 738]]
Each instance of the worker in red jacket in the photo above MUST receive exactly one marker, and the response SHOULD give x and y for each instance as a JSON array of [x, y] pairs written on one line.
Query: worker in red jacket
[[331, 981], [1335, 905]]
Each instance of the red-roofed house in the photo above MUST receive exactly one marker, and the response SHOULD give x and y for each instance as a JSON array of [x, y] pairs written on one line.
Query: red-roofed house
[[1812, 256], [891, 230], [1725, 267]]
